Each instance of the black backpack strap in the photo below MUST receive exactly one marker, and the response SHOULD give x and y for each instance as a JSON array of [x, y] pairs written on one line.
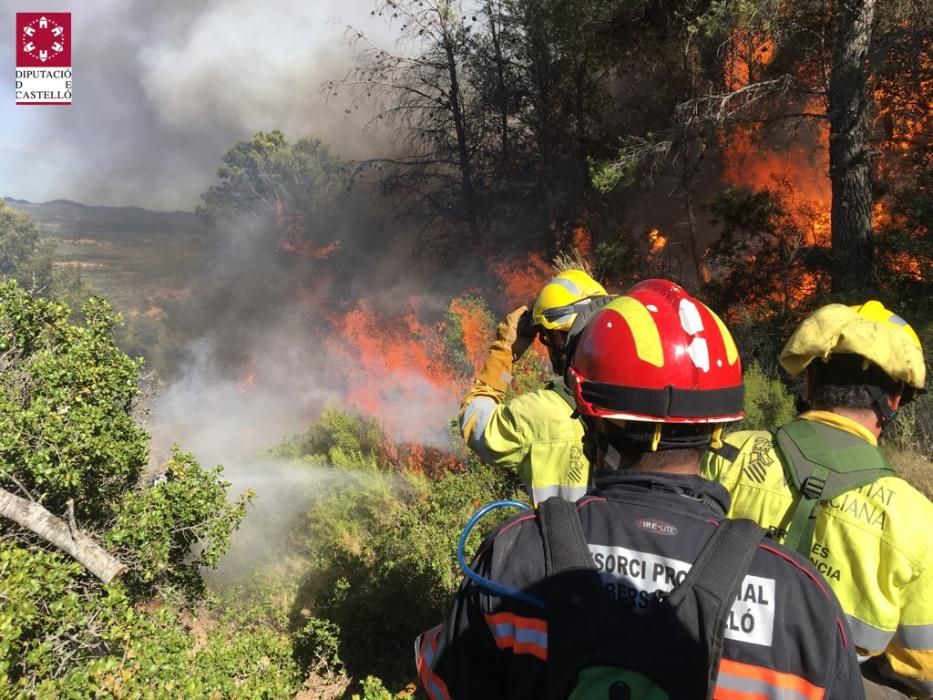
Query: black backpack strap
[[712, 585], [565, 547], [577, 604]]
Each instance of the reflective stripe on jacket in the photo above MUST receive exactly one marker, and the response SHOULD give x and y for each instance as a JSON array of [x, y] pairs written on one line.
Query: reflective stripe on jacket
[[874, 545], [534, 434], [786, 637]]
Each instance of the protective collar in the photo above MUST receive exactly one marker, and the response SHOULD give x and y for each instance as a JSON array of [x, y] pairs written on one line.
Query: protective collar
[[695, 488]]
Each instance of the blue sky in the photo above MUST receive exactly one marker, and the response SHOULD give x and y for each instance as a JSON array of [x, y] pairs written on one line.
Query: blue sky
[[162, 89]]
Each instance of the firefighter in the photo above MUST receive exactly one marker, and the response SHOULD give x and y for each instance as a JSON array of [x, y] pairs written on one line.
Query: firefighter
[[533, 433], [655, 375], [823, 487]]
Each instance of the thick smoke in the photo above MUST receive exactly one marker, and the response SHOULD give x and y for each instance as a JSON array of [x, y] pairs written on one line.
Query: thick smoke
[[161, 92], [163, 89]]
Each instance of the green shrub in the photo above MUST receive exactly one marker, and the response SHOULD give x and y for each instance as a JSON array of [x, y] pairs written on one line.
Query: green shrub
[[768, 404], [67, 435], [381, 559], [155, 530], [59, 637]]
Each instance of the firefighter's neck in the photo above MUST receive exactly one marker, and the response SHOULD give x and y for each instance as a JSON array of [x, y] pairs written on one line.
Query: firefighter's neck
[[664, 462], [868, 418]]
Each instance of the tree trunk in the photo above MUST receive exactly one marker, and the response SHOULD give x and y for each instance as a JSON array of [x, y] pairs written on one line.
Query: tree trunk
[[82, 548], [853, 245], [463, 154], [502, 96]]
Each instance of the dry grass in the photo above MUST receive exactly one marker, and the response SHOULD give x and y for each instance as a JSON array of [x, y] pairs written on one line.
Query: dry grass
[[571, 259], [323, 686], [914, 468]]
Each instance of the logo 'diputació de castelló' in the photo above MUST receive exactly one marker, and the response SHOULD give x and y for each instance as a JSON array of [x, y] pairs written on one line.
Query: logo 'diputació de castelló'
[[43, 58]]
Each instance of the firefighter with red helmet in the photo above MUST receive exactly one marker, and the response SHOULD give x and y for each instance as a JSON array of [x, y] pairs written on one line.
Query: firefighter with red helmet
[[641, 588]]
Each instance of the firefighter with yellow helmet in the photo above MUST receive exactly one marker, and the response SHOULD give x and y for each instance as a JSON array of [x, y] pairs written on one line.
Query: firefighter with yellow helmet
[[823, 487], [535, 432]]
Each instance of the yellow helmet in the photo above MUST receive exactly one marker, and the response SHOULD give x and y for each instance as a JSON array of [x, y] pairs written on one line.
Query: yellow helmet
[[869, 330], [554, 309]]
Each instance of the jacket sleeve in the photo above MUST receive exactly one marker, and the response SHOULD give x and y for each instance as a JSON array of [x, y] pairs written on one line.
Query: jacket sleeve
[[845, 675], [908, 658], [459, 657], [487, 394]]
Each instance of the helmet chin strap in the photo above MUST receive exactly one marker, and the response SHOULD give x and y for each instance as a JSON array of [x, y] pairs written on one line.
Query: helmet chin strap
[[882, 407]]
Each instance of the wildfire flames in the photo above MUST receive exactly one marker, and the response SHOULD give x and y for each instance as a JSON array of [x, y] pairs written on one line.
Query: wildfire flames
[[411, 374], [657, 241], [394, 366], [294, 238], [476, 332], [522, 279], [582, 242]]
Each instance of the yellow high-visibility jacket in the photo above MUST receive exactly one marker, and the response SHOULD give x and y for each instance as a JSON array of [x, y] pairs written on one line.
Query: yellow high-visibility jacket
[[534, 434], [873, 544]]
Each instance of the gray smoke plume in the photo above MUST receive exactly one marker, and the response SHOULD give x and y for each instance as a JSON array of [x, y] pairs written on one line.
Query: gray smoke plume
[[161, 90]]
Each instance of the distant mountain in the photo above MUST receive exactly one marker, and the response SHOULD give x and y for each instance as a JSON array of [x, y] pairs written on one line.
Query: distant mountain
[[67, 219]]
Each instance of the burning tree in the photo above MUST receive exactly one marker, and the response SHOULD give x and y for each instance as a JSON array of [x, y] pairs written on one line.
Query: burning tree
[[789, 63]]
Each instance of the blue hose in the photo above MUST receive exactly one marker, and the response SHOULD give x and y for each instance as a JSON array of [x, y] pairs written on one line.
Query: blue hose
[[498, 589]]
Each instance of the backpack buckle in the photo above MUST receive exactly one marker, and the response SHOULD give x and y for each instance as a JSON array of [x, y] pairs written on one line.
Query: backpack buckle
[[812, 487]]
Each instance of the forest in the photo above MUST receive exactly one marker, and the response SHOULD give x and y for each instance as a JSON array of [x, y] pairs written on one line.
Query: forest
[[771, 157]]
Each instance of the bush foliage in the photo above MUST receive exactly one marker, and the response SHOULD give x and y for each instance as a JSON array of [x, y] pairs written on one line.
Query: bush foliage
[[67, 437], [380, 546]]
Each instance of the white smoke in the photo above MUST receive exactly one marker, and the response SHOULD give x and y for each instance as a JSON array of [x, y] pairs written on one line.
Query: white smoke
[[161, 90]]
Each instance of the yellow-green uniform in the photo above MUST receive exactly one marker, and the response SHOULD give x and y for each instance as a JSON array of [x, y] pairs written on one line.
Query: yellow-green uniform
[[534, 434], [873, 544]]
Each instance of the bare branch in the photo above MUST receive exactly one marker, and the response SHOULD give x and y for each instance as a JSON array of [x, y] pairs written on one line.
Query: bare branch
[[55, 531], [718, 109]]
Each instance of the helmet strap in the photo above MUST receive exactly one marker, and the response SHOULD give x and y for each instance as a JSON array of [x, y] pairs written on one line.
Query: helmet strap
[[656, 437], [715, 438], [591, 443], [882, 407]]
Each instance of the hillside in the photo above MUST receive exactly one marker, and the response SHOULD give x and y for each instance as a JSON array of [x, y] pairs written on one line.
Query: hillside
[[143, 261]]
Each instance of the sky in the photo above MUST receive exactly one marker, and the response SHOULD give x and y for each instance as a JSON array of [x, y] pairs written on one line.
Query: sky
[[163, 89]]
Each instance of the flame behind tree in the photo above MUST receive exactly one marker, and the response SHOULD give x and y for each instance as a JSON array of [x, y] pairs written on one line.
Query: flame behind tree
[[657, 241], [849, 165]]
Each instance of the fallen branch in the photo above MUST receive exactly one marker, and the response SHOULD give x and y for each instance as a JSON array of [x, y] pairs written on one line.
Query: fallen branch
[[56, 531]]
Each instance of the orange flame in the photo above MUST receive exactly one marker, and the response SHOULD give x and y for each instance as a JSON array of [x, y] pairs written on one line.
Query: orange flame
[[582, 241], [294, 238], [477, 334], [307, 249], [751, 164], [248, 377], [747, 53], [522, 280], [394, 368], [657, 241]]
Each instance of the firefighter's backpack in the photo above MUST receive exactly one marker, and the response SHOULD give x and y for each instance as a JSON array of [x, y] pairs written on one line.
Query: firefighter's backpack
[[597, 650], [822, 463]]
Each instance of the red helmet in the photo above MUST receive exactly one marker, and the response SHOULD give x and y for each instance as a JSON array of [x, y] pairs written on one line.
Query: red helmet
[[657, 354]]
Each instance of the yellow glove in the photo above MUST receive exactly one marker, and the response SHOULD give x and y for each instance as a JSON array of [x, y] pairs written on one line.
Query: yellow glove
[[497, 372]]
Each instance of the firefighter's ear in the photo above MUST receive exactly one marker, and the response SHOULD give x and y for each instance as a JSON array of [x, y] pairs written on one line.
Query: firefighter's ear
[[896, 398]]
